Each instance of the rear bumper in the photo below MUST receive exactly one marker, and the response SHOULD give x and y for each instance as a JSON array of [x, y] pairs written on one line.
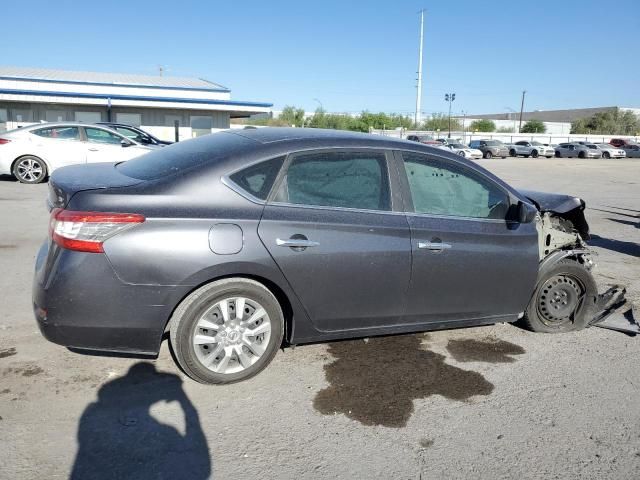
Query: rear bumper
[[79, 302]]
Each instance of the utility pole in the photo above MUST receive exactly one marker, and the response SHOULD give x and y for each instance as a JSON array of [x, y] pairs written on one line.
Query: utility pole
[[418, 117], [524, 92]]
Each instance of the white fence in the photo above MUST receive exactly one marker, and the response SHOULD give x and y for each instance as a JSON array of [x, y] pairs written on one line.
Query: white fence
[[466, 137]]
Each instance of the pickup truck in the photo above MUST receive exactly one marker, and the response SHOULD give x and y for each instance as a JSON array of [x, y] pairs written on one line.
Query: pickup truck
[[530, 149]]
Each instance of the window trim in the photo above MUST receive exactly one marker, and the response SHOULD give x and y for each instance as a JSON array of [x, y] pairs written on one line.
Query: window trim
[[393, 187], [408, 199], [97, 127]]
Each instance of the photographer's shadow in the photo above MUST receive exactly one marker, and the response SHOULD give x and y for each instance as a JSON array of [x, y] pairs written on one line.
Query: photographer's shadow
[[119, 438]]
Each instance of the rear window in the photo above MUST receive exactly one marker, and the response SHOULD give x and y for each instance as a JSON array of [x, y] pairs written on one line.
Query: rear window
[[258, 179], [183, 156]]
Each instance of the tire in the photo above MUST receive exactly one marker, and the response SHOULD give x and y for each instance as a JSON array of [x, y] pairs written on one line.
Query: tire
[[512, 153], [534, 154], [565, 281], [30, 169], [606, 155], [558, 155], [526, 156], [487, 155], [462, 154], [581, 155], [198, 315]]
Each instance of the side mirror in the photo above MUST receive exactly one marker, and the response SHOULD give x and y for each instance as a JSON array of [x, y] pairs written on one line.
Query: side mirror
[[526, 213], [125, 143]]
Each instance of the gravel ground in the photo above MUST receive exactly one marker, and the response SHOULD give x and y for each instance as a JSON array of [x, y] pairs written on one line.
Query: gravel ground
[[489, 402]]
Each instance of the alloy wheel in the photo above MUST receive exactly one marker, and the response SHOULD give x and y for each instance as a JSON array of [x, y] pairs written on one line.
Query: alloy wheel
[[231, 335], [29, 170]]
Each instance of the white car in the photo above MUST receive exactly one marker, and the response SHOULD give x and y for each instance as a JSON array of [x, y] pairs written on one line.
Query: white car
[[464, 151], [31, 153]]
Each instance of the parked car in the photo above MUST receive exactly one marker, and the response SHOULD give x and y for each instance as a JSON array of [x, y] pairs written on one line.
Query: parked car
[[239, 241], [631, 150], [609, 151], [530, 149], [425, 139], [32, 153], [135, 133], [490, 148], [464, 151], [571, 150], [621, 142]]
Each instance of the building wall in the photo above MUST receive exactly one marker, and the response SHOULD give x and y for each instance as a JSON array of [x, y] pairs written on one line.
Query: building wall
[[158, 121]]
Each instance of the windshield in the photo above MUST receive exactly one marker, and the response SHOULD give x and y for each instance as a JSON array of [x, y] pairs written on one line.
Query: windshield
[[537, 144], [591, 146], [457, 145], [494, 143]]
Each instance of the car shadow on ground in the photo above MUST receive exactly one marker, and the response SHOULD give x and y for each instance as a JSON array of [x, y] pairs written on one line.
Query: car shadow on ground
[[620, 246], [376, 382], [7, 178], [119, 438]]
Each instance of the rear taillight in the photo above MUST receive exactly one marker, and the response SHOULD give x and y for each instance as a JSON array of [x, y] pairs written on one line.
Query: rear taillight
[[87, 231], [4, 141]]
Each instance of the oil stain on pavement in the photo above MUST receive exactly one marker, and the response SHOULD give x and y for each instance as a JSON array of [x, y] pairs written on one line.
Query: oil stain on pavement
[[7, 352], [376, 382], [489, 350]]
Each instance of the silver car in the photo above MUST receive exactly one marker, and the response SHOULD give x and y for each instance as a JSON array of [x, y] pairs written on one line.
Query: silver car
[[609, 151], [632, 150], [571, 150]]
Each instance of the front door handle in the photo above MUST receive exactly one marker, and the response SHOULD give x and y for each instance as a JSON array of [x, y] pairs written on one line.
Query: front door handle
[[93, 149], [436, 246], [296, 243]]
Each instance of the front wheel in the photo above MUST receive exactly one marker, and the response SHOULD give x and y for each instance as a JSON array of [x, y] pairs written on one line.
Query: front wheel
[[462, 154], [563, 300], [558, 155], [227, 331], [606, 155], [512, 153], [30, 169], [581, 155], [487, 155], [534, 154]]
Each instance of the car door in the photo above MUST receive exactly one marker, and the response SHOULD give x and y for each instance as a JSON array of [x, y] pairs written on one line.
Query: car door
[[59, 146], [331, 227], [105, 146], [469, 262]]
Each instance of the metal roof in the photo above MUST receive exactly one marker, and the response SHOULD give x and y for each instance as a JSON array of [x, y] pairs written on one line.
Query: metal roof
[[99, 78]]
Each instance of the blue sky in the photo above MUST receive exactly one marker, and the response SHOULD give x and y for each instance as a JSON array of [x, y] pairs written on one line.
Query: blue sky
[[350, 55]]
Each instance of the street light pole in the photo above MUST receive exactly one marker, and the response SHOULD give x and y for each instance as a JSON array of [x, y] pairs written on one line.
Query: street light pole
[[449, 97], [524, 92], [418, 116]]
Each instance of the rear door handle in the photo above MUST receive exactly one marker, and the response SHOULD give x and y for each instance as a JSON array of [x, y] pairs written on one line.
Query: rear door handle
[[434, 245], [296, 243]]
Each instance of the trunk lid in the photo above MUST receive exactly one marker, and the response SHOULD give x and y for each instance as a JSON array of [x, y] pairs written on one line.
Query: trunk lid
[[67, 181]]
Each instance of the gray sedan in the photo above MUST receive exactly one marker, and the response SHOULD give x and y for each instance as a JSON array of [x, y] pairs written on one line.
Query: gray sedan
[[572, 150], [243, 241], [632, 150]]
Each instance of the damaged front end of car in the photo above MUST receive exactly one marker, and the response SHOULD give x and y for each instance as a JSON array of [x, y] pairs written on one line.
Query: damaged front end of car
[[562, 233]]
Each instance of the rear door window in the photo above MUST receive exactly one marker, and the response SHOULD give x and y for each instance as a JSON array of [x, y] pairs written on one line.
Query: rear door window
[[345, 179], [97, 135]]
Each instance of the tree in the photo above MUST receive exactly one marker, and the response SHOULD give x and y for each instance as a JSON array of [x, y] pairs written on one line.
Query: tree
[[483, 126], [440, 121], [291, 116], [534, 126], [613, 122]]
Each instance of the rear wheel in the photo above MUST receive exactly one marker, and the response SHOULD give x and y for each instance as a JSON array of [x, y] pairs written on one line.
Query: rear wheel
[[512, 153], [563, 300], [606, 155], [581, 155], [487, 155], [462, 154], [558, 155], [227, 331], [30, 169]]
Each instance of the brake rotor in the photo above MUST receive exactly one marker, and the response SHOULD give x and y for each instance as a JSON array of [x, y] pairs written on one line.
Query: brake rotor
[[558, 299]]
